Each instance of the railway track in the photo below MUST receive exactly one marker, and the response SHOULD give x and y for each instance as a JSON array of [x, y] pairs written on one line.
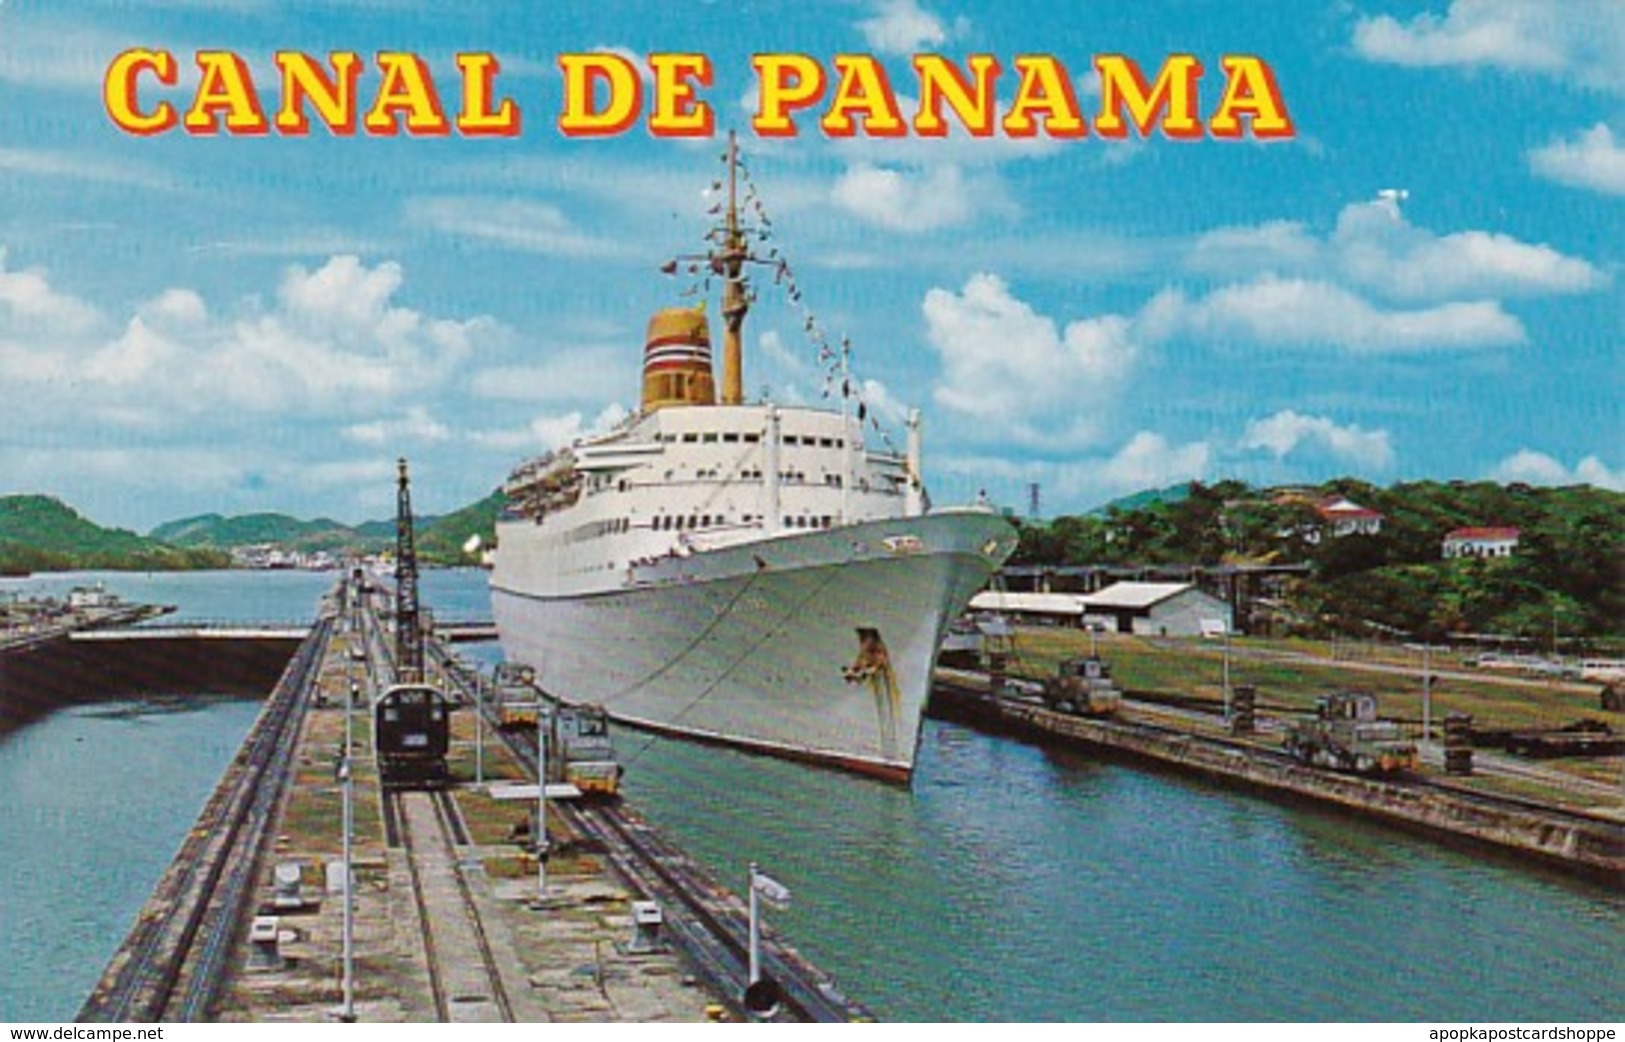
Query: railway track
[[710, 924], [463, 973], [171, 963]]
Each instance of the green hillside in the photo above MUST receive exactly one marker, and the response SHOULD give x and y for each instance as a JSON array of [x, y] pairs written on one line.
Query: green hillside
[[255, 529], [1148, 498], [1566, 572], [442, 540], [41, 533]]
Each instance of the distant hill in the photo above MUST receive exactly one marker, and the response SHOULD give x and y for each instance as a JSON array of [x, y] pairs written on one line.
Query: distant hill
[[254, 529], [1146, 498], [442, 541], [42, 533], [381, 529]]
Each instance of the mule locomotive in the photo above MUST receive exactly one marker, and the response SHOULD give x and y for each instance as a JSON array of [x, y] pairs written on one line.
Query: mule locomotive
[[411, 726]]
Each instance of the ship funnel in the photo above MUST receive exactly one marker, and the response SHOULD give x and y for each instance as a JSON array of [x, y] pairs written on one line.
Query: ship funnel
[[677, 360]]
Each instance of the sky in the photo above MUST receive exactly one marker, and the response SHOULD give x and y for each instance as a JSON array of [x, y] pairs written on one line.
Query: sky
[[1423, 282]]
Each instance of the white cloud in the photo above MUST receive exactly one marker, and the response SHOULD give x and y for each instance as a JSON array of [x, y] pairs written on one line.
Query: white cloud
[[138, 356], [576, 374], [377, 473], [1289, 311], [551, 432], [52, 164], [183, 470], [533, 227], [883, 404], [1537, 468], [1374, 247], [1583, 40], [1595, 160], [902, 27], [1007, 365], [291, 399], [291, 242], [415, 426], [344, 293], [937, 198], [1275, 246], [336, 333], [51, 52], [179, 306], [1148, 460], [771, 347], [28, 304], [1288, 432], [333, 334]]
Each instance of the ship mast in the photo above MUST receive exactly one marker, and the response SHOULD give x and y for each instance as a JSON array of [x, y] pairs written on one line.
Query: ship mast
[[735, 300]]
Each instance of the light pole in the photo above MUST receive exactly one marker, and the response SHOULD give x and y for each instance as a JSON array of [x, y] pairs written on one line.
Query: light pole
[[541, 809], [755, 950], [762, 995], [347, 1013], [479, 729], [1427, 687], [349, 717], [1427, 692], [1227, 673]]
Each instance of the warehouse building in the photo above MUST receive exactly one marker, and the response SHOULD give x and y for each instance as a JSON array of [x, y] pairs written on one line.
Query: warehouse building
[[1156, 609], [1145, 608], [1044, 609]]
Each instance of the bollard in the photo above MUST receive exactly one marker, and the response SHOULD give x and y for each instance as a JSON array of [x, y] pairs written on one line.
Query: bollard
[[1458, 744], [647, 920], [1243, 698]]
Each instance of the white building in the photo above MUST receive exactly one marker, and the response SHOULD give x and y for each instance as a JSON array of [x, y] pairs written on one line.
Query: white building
[[1148, 609], [1060, 609], [1480, 542], [81, 598], [1342, 516], [1156, 609]]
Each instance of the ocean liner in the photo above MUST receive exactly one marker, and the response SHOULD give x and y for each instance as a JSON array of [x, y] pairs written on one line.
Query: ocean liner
[[748, 573]]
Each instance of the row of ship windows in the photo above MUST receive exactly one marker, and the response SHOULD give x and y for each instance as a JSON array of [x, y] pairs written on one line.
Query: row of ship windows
[[679, 522], [789, 477], [750, 438], [597, 530]]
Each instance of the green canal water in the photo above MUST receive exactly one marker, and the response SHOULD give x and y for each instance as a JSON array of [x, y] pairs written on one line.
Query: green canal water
[[1009, 883]]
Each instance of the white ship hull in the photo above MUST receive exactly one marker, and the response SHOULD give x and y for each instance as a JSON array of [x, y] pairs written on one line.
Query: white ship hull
[[812, 645]]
